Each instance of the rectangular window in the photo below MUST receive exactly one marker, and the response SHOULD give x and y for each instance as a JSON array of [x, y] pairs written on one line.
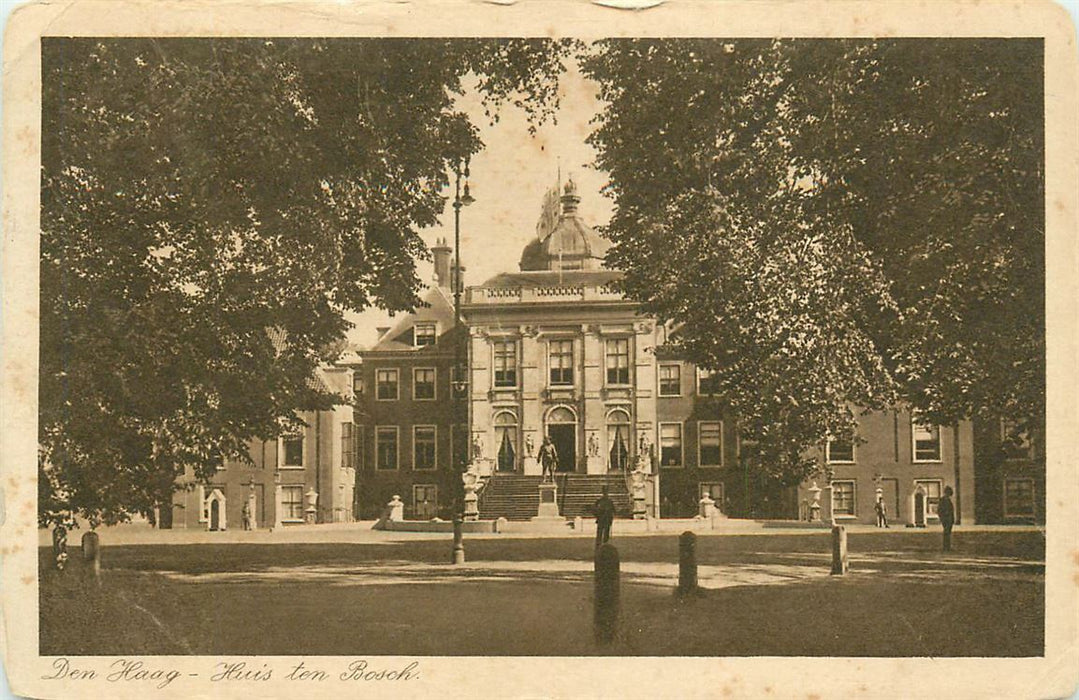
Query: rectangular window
[[714, 490], [710, 443], [292, 503], [560, 356], [386, 384], [618, 361], [843, 500], [292, 452], [386, 447], [347, 449], [424, 334], [707, 382], [670, 380], [423, 447], [505, 363], [357, 383], [839, 452], [423, 384], [1015, 442], [932, 488], [670, 444], [424, 501], [1019, 498], [926, 442]]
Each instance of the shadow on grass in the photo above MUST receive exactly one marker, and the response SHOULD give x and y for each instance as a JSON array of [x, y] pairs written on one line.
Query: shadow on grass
[[534, 597]]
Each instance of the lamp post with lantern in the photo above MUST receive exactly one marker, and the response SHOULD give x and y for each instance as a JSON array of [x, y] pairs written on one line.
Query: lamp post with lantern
[[462, 197]]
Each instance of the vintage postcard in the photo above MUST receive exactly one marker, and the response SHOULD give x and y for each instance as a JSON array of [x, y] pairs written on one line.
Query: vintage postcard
[[540, 349]]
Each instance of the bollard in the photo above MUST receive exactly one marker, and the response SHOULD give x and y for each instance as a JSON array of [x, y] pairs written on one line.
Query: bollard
[[91, 552], [687, 564], [839, 550], [605, 599], [458, 541]]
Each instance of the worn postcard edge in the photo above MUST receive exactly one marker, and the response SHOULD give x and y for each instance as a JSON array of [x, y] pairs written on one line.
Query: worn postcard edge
[[1055, 675]]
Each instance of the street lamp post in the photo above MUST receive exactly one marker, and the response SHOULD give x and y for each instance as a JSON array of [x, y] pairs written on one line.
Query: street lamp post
[[461, 198]]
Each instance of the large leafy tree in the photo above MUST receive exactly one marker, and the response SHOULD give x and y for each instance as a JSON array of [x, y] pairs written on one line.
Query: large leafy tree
[[834, 225], [210, 208]]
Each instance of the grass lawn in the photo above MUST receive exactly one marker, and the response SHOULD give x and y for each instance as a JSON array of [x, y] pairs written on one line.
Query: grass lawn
[[762, 595]]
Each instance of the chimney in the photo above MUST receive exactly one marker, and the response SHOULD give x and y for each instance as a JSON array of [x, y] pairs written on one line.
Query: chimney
[[461, 273], [443, 254]]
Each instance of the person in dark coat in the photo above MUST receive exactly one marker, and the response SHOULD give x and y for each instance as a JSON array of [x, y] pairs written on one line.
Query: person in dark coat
[[604, 517], [946, 515], [882, 512]]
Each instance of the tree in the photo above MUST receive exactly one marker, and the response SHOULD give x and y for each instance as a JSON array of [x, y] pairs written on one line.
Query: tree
[[833, 225], [209, 210]]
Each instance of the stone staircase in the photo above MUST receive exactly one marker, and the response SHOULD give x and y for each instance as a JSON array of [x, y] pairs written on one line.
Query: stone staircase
[[516, 497]]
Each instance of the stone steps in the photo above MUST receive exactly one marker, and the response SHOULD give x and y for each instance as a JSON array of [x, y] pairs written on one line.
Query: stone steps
[[516, 497]]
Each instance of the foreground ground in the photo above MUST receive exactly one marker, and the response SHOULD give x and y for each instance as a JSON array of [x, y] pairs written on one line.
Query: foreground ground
[[762, 594]]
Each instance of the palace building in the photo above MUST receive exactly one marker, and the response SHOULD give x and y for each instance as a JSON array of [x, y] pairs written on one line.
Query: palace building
[[554, 350]]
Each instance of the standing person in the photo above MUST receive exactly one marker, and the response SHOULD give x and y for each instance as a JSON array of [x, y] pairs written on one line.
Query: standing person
[[946, 514], [604, 509], [246, 515], [882, 512], [548, 458]]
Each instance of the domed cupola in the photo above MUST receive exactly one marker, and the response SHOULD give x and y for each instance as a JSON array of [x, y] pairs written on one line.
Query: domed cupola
[[569, 245]]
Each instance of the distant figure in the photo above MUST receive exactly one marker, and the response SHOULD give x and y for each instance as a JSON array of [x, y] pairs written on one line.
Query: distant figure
[[882, 512], [604, 517], [59, 546], [246, 515], [548, 458], [946, 514]]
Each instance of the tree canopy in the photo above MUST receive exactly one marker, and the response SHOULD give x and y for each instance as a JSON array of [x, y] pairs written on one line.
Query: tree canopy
[[834, 225], [209, 210]]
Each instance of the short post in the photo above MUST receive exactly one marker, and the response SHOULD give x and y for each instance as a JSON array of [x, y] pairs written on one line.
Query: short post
[[91, 552], [606, 602], [687, 564], [458, 540], [839, 550]]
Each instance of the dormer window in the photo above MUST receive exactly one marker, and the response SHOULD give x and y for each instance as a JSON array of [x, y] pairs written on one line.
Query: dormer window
[[424, 334]]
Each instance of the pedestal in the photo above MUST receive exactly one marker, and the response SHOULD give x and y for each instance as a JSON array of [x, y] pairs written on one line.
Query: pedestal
[[472, 505], [637, 490], [594, 465], [548, 503], [531, 466]]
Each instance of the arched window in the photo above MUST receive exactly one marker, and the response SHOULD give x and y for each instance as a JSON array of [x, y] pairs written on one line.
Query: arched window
[[506, 439], [618, 439]]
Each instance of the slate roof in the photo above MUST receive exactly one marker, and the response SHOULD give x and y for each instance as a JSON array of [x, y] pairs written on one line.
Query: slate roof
[[438, 309]]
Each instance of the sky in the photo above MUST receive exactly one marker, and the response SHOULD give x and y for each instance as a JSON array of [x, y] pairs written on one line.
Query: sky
[[508, 180]]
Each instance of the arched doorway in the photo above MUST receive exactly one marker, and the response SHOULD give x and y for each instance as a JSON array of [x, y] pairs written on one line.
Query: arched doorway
[[506, 441], [618, 440], [216, 510], [919, 507], [562, 429]]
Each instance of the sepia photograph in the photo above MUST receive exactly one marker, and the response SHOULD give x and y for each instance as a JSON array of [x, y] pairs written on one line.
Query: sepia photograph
[[572, 344]]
